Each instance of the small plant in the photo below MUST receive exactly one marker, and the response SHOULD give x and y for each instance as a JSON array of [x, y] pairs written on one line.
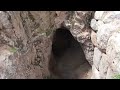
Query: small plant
[[13, 49], [116, 76]]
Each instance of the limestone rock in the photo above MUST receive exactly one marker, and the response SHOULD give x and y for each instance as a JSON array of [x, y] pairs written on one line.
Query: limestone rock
[[103, 66], [89, 52], [97, 57], [98, 14], [5, 64], [93, 24], [113, 51], [95, 73], [61, 17], [107, 26], [104, 32], [110, 73], [96, 24], [81, 30], [94, 38], [108, 22], [110, 16], [28, 36]]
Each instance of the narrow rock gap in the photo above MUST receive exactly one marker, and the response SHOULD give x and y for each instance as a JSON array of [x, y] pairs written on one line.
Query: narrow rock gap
[[67, 57]]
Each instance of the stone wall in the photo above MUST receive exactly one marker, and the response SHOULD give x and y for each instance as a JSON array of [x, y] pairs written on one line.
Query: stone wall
[[106, 38]]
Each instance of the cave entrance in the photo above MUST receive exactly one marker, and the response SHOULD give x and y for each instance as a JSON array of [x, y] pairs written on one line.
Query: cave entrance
[[67, 59]]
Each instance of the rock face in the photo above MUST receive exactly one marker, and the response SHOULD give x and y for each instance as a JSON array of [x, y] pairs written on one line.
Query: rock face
[[26, 41], [79, 25], [78, 22], [25, 44], [98, 34], [106, 58]]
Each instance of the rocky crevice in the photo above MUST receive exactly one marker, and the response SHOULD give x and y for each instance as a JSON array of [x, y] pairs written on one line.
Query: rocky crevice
[[27, 41], [68, 60], [25, 44]]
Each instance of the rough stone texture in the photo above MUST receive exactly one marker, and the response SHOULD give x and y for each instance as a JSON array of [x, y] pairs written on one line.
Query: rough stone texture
[[98, 15], [104, 33], [113, 51], [88, 49], [110, 73], [25, 43], [103, 66], [108, 37], [28, 34], [61, 17], [26, 38], [107, 22], [97, 57], [95, 25], [95, 73], [104, 39], [79, 26], [94, 38]]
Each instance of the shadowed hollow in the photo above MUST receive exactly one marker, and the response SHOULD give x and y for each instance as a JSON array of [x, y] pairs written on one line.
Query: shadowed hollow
[[68, 59]]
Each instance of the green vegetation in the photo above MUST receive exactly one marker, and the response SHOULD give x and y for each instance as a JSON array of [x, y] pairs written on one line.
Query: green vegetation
[[117, 76], [13, 49]]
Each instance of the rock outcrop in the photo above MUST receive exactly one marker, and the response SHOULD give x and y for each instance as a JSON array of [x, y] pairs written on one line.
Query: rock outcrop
[[98, 34], [25, 44], [26, 41], [106, 28], [78, 23]]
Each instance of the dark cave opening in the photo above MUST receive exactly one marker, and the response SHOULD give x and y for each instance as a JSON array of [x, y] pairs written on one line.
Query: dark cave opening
[[67, 60]]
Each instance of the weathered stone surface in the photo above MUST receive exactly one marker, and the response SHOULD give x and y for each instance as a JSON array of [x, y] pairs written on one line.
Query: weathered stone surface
[[61, 17], [93, 24], [110, 73], [98, 15], [103, 35], [107, 24], [104, 32], [103, 66], [25, 41], [96, 24], [111, 16], [88, 49], [95, 73], [28, 35], [97, 57], [94, 38], [113, 51], [5, 63], [78, 23]]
